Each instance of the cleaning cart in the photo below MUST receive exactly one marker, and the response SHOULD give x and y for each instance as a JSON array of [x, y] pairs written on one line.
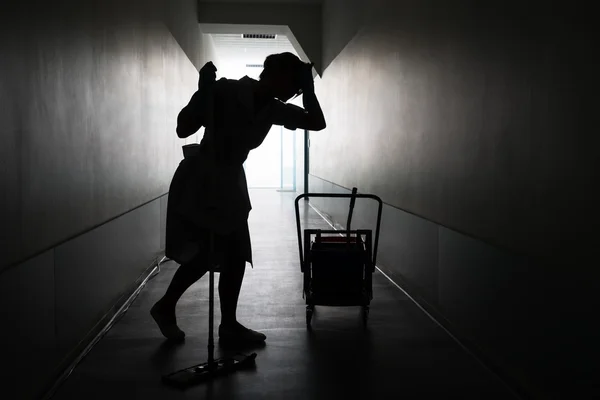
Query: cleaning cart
[[338, 265]]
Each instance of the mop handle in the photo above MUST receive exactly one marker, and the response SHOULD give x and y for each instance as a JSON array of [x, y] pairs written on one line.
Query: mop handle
[[352, 201]]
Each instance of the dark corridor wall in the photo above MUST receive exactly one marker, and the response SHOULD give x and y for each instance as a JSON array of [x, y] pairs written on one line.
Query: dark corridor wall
[[89, 95], [475, 122], [477, 115], [90, 92]]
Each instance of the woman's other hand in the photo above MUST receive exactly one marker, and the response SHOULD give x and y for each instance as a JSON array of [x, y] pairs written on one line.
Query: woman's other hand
[[307, 81]]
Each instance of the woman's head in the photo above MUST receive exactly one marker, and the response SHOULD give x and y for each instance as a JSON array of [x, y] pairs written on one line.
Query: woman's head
[[283, 74]]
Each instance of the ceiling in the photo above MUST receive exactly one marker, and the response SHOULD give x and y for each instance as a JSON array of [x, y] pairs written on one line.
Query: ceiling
[[235, 46], [235, 52]]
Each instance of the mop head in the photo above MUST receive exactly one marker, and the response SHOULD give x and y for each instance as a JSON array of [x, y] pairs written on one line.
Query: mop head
[[204, 372]]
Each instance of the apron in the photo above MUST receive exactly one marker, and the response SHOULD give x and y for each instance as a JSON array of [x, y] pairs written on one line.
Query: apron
[[209, 192]]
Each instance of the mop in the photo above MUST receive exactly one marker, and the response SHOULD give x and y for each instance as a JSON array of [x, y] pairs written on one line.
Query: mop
[[213, 368]]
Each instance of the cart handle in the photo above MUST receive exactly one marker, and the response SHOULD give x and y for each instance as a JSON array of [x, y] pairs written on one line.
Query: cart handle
[[352, 201], [343, 196]]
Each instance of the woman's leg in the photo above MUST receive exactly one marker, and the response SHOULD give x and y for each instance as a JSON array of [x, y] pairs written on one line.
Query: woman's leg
[[163, 311], [230, 284], [185, 276]]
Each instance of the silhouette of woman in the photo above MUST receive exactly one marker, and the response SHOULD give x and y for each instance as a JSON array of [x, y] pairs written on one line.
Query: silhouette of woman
[[209, 193]]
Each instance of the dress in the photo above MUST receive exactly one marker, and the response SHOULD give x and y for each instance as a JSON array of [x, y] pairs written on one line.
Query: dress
[[209, 192]]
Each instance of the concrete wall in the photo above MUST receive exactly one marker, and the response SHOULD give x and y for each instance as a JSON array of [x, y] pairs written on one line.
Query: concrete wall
[[90, 97], [474, 123], [477, 117], [90, 93]]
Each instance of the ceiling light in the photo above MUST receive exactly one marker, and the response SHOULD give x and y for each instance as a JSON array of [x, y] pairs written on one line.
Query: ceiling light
[[258, 36]]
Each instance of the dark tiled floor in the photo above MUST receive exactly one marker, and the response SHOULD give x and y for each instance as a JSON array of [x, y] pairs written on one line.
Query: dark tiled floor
[[402, 354]]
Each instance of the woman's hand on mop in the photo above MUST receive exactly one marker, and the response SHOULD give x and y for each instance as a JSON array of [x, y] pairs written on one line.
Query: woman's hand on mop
[[208, 75]]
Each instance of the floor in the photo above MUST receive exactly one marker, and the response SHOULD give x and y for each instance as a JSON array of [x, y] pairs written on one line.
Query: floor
[[401, 353]]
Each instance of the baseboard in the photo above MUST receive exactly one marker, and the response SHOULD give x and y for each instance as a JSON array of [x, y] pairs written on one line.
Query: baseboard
[[519, 389], [75, 356]]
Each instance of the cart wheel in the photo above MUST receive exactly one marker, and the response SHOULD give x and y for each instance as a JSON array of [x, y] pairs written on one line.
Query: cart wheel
[[309, 314], [365, 315]]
